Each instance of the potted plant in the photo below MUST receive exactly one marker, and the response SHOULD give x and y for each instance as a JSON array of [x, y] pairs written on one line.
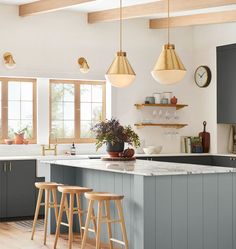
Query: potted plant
[[114, 135], [20, 136]]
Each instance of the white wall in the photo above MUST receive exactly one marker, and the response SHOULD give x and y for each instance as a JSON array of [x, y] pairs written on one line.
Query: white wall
[[206, 39], [48, 45]]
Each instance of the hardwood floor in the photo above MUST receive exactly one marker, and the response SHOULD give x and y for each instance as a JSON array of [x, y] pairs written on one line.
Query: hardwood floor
[[15, 238]]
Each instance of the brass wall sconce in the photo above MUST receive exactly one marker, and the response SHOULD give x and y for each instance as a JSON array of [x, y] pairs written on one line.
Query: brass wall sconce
[[83, 64], [9, 61]]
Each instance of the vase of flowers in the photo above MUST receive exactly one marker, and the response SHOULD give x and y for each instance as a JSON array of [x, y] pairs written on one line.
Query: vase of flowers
[[114, 135]]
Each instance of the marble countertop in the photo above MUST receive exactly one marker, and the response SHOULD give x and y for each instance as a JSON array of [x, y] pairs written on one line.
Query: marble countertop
[[144, 168]]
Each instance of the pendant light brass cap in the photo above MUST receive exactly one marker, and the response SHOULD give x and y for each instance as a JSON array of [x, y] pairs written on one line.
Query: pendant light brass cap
[[168, 69], [120, 73]]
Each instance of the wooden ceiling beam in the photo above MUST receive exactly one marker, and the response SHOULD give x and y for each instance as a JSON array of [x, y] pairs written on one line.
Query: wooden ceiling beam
[[192, 20], [43, 6], [148, 9]]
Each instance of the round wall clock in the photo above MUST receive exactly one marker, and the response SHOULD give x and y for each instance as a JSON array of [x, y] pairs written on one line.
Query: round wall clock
[[202, 76]]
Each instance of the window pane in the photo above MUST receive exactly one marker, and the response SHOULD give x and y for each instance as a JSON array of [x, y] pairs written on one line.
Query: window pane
[[85, 93], [97, 93], [62, 110], [13, 90], [20, 108], [96, 111], [13, 126], [69, 129], [57, 111], [85, 129], [27, 110], [57, 129], [57, 91], [29, 128], [14, 109], [26, 91], [69, 92], [69, 111], [85, 111]]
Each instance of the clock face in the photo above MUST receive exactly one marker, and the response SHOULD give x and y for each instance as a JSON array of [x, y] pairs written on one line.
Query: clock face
[[202, 76]]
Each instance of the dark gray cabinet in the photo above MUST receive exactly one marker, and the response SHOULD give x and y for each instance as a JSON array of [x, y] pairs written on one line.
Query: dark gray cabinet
[[203, 160], [226, 84], [17, 188], [224, 161]]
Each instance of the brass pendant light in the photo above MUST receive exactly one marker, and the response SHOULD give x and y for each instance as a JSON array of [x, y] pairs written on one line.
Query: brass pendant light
[[120, 74], [168, 69]]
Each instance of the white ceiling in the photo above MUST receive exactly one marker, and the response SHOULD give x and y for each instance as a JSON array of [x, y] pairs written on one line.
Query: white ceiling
[[90, 6], [110, 4]]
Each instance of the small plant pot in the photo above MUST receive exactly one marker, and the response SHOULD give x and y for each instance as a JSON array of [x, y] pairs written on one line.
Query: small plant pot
[[19, 138], [115, 149]]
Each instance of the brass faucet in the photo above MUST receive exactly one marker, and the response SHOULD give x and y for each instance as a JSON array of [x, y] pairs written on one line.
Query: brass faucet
[[49, 147]]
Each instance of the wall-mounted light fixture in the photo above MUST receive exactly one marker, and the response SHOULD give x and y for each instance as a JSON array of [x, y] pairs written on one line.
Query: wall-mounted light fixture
[[9, 61], [83, 64]]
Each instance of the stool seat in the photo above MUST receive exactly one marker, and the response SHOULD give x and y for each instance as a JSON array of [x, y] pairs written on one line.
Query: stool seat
[[47, 185], [73, 189], [103, 196]]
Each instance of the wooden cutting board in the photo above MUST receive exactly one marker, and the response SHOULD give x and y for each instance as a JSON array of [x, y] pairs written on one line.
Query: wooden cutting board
[[205, 138]]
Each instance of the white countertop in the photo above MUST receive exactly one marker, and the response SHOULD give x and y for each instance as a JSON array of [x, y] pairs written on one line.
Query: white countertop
[[144, 168]]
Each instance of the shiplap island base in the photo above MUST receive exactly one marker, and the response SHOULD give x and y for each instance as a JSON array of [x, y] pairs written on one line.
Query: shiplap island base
[[166, 205]]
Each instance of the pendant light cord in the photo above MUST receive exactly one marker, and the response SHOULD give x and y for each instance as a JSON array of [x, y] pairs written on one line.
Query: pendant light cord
[[168, 24], [121, 26]]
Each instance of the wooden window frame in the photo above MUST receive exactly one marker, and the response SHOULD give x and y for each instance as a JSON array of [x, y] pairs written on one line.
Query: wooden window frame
[[4, 81], [77, 84]]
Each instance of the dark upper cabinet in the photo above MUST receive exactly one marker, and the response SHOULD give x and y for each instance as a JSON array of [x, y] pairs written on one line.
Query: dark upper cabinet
[[226, 84], [17, 193]]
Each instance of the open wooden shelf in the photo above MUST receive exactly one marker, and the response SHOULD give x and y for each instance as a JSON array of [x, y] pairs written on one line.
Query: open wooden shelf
[[177, 106], [176, 126]]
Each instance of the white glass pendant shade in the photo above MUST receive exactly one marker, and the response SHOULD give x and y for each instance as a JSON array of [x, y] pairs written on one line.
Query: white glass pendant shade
[[120, 74], [168, 69]]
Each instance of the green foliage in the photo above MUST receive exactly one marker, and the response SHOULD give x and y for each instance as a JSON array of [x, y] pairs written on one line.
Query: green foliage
[[112, 131]]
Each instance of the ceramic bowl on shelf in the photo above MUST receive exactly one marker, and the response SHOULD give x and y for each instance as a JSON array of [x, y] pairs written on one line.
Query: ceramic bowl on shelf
[[152, 150]]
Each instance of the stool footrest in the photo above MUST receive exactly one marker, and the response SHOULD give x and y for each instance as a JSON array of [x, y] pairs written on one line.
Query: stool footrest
[[109, 221], [90, 229], [64, 224], [118, 241]]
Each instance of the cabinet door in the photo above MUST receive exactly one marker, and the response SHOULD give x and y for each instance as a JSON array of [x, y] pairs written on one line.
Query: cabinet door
[[21, 177], [226, 87], [224, 161], [200, 160], [3, 187]]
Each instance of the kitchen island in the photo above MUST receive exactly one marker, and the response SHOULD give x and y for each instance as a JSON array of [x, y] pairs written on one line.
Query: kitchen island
[[166, 205]]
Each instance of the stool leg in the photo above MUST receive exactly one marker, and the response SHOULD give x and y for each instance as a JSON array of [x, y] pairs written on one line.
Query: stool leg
[[37, 212], [99, 224], [47, 199], [122, 223], [108, 215], [66, 206], [54, 195], [79, 206], [62, 205], [87, 223], [71, 209], [94, 222]]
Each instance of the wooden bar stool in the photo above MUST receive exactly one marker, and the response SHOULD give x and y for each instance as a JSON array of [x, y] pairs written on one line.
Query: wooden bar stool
[[72, 191], [105, 198], [48, 187]]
